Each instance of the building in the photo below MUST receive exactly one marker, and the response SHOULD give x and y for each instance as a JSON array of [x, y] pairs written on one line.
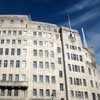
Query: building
[[42, 61]]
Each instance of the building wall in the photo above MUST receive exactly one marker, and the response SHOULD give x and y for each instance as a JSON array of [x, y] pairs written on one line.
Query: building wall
[[35, 63]]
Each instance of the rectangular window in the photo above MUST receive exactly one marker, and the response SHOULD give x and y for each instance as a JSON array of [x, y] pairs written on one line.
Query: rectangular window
[[84, 82], [70, 79], [3, 77], [72, 93], [10, 77], [47, 79], [1, 51], [9, 92], [6, 51], [47, 92], [41, 78], [52, 65], [17, 63], [16, 77], [12, 51], [34, 92], [2, 92], [82, 69], [41, 53], [35, 42], [0, 63], [46, 53], [54, 93], [18, 51], [20, 32], [16, 92], [5, 63], [58, 50], [11, 63], [60, 74], [46, 64], [34, 52], [86, 94], [41, 64], [8, 41], [2, 41], [13, 41], [41, 92], [34, 78], [52, 54], [53, 79], [35, 64], [61, 87], [41, 43], [34, 33], [59, 60], [19, 41]]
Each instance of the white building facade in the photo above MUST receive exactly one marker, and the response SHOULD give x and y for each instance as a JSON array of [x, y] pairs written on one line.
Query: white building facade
[[42, 61]]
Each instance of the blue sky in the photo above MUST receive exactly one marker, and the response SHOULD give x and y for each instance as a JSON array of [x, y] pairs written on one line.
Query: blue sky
[[83, 13]]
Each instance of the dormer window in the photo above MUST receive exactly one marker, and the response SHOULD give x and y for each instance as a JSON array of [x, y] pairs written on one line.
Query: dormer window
[[2, 20], [21, 20]]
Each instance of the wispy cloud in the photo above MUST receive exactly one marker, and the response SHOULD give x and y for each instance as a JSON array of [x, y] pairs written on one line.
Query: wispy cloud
[[80, 6]]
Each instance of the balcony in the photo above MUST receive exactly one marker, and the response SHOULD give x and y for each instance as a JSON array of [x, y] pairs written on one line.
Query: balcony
[[19, 84]]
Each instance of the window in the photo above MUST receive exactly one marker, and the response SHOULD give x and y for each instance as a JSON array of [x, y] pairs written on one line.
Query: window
[[16, 77], [35, 42], [35, 64], [19, 41], [54, 93], [47, 79], [17, 63], [46, 53], [84, 82], [89, 71], [14, 32], [12, 51], [60, 74], [4, 77], [5, 63], [40, 33], [71, 81], [46, 64], [62, 98], [9, 32], [58, 50], [25, 52], [61, 87], [68, 56], [81, 59], [9, 92], [82, 69], [2, 41], [10, 77], [34, 92], [53, 79], [1, 51], [41, 78], [91, 83], [34, 33], [52, 65], [69, 66], [18, 51], [0, 63], [13, 41], [34, 52], [47, 92], [24, 64], [16, 92], [52, 54], [34, 78], [11, 63], [41, 53], [86, 94], [6, 51], [41, 64], [41, 92], [59, 60], [8, 41], [41, 43], [2, 92], [20, 32], [72, 93]]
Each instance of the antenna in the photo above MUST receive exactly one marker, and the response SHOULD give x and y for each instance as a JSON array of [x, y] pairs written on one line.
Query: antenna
[[69, 22], [84, 39]]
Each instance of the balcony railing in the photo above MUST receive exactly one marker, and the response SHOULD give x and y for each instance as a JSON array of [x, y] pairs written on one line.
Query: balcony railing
[[14, 83]]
